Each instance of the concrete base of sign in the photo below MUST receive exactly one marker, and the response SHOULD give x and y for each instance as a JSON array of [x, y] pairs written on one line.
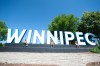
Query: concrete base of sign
[[45, 48]]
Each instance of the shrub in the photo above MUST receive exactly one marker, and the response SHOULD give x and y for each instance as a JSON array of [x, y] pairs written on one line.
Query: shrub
[[0, 44], [3, 45], [96, 49]]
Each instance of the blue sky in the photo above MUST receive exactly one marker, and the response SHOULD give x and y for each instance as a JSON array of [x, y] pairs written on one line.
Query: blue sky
[[37, 14]]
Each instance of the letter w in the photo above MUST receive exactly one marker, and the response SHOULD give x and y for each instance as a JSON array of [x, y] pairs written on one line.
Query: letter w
[[15, 36]]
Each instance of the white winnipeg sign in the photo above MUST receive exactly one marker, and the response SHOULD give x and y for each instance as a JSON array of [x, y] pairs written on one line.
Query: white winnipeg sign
[[82, 39]]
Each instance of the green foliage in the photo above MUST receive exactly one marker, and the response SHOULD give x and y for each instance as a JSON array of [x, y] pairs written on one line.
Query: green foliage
[[90, 22], [3, 45], [0, 44], [64, 23], [96, 49], [3, 31]]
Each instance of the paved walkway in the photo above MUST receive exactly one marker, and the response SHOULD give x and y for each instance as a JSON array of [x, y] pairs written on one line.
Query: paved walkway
[[60, 59]]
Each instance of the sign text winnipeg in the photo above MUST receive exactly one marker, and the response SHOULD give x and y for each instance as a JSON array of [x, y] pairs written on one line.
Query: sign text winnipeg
[[34, 34]]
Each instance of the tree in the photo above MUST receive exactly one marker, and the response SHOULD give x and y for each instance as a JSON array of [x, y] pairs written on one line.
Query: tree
[[64, 23], [90, 22], [3, 31]]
